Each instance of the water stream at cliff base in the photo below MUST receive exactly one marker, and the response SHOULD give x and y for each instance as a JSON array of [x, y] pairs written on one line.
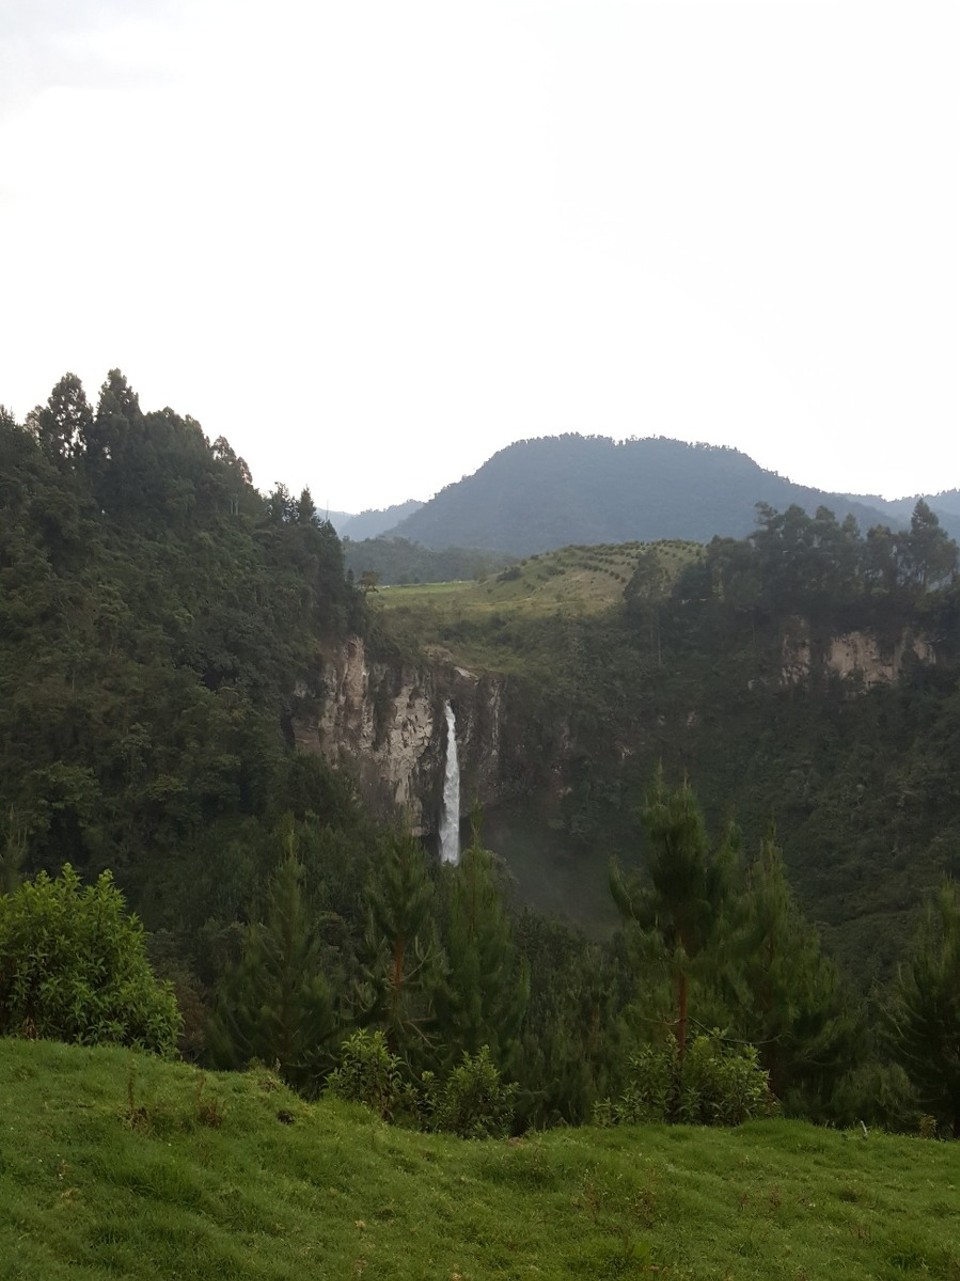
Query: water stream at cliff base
[[450, 815]]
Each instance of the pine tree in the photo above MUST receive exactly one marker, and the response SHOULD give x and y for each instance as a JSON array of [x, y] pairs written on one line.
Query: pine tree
[[682, 898], [485, 994], [275, 1006], [784, 995], [923, 1018], [402, 955]]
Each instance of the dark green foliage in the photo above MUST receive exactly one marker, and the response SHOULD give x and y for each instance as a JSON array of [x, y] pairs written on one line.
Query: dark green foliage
[[569, 1045], [169, 630], [783, 993], [73, 967], [397, 560], [13, 846], [681, 898], [402, 968], [275, 1005], [713, 1083], [923, 1017], [368, 1073], [472, 1102], [486, 989], [63, 425]]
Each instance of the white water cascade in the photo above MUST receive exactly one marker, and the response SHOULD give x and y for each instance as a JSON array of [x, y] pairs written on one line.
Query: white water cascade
[[450, 815]]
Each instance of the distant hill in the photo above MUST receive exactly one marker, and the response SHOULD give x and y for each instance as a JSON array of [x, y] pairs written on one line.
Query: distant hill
[[946, 504], [338, 519], [541, 494], [371, 523]]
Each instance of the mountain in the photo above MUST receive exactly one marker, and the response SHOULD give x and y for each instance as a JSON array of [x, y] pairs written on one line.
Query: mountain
[[559, 490], [945, 505], [374, 521], [338, 519]]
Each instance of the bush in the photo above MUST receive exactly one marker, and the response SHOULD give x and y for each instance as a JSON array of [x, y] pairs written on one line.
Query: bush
[[715, 1084], [73, 967], [369, 1073], [472, 1102]]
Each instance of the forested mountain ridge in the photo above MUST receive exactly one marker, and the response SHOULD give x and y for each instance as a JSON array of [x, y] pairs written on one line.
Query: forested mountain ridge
[[375, 521], [541, 494]]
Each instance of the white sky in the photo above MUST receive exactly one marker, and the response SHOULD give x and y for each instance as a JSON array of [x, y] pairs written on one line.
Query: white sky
[[373, 242]]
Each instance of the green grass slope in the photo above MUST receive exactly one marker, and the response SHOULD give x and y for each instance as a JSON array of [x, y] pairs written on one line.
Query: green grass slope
[[459, 620], [117, 1165]]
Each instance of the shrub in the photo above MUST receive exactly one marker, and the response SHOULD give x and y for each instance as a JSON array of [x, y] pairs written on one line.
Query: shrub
[[715, 1084], [369, 1073], [73, 967], [472, 1102]]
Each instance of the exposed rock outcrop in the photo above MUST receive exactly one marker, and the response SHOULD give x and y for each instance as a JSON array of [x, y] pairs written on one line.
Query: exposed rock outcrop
[[851, 654], [383, 720]]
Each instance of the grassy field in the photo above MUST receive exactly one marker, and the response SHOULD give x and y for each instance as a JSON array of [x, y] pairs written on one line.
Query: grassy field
[[456, 620], [114, 1165]]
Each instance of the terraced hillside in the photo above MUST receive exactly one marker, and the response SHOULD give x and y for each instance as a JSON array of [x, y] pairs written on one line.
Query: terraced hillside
[[473, 622]]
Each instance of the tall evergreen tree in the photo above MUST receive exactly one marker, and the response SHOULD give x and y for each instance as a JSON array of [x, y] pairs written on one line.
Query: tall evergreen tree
[[923, 1016], [784, 995], [64, 422], [275, 1005], [485, 994], [682, 896], [402, 955], [930, 555]]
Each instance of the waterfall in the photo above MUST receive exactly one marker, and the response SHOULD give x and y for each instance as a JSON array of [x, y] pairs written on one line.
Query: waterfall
[[450, 815]]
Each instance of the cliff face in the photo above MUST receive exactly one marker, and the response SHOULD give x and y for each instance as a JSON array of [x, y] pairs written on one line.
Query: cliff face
[[384, 721], [852, 654]]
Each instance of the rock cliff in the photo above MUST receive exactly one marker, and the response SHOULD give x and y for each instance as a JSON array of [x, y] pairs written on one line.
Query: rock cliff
[[856, 654], [384, 722]]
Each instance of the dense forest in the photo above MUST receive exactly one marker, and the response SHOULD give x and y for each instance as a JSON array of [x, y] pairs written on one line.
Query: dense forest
[[160, 627], [372, 561], [731, 670]]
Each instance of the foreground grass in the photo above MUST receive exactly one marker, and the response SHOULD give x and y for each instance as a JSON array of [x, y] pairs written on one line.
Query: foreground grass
[[117, 1165]]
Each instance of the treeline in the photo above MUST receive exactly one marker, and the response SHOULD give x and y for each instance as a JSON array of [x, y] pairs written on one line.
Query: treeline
[[398, 561], [420, 990], [820, 568]]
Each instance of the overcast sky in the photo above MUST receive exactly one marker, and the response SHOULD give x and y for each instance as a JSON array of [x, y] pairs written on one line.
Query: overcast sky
[[372, 243]]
